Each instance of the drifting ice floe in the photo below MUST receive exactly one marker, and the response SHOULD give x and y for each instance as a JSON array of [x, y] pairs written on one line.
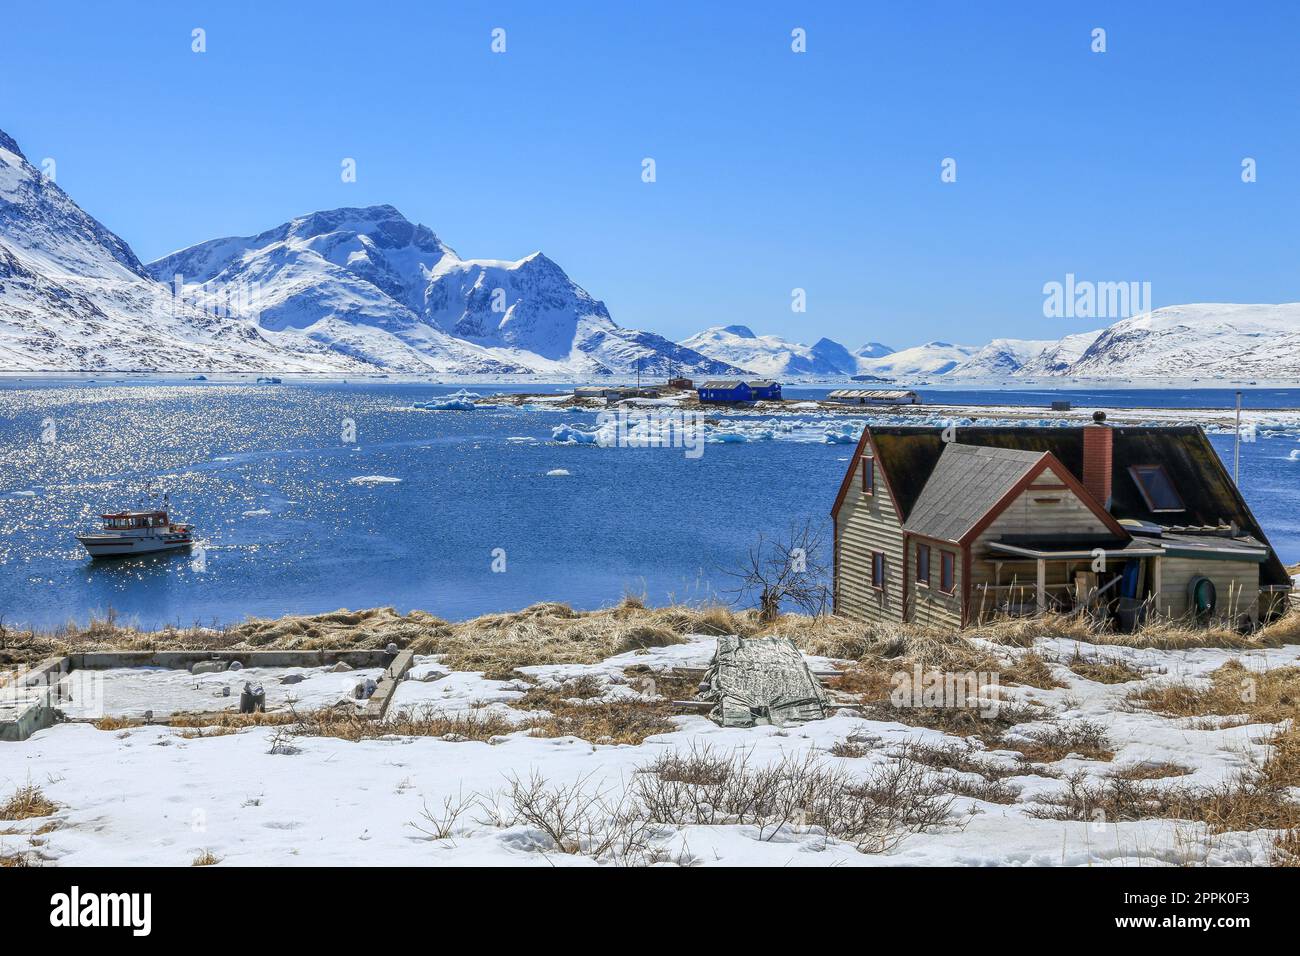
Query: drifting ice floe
[[374, 480]]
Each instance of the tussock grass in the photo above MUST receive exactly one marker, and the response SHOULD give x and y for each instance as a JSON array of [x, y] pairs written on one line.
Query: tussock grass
[[1031, 668], [25, 803], [205, 858], [575, 709], [1104, 671], [555, 633], [1155, 770], [15, 860], [1267, 696], [1083, 738]]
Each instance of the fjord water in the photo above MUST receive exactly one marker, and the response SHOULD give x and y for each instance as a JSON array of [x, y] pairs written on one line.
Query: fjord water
[[266, 476]]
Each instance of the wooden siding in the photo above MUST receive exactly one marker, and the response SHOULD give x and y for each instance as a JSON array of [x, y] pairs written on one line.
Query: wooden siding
[[868, 523], [1236, 584], [927, 604]]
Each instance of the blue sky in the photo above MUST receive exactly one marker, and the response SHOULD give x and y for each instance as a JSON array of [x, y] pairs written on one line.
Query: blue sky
[[775, 170]]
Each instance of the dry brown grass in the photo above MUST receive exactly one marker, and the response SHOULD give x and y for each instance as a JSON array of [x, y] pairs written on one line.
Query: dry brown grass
[[15, 860], [27, 802], [555, 633], [1267, 696], [1032, 669], [1154, 770], [575, 710], [1260, 798], [479, 724], [1103, 670], [1082, 738], [206, 858]]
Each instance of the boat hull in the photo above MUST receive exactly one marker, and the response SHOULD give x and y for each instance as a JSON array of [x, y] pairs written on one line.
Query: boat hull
[[113, 547]]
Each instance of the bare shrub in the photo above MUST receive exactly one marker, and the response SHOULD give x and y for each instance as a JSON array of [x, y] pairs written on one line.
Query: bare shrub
[[206, 858], [441, 824], [582, 818], [698, 787], [787, 570]]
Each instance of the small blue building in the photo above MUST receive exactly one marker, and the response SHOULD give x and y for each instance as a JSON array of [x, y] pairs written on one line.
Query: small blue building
[[766, 390], [725, 390]]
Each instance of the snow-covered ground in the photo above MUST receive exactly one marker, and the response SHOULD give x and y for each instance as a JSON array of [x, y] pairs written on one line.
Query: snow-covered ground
[[134, 691], [152, 796]]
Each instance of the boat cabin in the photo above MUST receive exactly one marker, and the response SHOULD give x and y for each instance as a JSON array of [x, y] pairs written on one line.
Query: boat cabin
[[130, 520]]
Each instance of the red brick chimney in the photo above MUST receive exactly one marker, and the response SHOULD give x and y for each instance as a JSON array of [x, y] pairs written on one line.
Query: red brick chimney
[[1098, 446]]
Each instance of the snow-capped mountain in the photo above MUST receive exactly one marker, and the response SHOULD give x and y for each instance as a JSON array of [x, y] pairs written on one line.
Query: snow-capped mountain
[[348, 290], [928, 360], [73, 296], [372, 284], [771, 355], [1217, 340], [872, 350]]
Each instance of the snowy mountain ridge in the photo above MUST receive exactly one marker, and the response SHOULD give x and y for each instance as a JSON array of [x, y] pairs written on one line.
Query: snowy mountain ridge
[[1204, 340], [344, 290]]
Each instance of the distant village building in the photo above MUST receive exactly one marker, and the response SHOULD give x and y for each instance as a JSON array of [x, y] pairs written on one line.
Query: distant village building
[[615, 393], [684, 383], [727, 390], [1129, 522], [874, 396]]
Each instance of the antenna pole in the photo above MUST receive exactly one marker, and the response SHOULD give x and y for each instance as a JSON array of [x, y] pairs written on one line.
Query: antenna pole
[[1236, 446]]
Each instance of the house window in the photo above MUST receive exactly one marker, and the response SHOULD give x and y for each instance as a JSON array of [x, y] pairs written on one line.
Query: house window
[[923, 564], [868, 476], [1156, 487], [878, 570], [947, 565]]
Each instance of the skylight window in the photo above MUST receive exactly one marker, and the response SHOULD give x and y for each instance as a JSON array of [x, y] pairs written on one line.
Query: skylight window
[[1156, 487]]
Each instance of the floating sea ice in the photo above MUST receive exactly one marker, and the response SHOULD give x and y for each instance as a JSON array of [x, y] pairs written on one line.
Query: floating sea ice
[[259, 512], [569, 435], [24, 494], [557, 473], [1294, 456], [841, 434], [449, 405], [374, 480]]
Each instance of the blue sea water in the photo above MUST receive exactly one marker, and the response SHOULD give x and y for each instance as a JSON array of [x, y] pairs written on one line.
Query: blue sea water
[[265, 474]]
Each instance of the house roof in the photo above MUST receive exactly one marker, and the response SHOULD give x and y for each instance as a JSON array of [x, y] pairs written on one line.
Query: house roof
[[727, 384], [762, 383], [909, 455], [966, 483]]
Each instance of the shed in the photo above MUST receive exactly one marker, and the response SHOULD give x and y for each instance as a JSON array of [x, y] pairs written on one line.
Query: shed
[[766, 389], [874, 396]]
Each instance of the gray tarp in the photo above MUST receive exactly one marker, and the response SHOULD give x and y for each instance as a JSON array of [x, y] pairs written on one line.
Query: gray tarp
[[761, 680]]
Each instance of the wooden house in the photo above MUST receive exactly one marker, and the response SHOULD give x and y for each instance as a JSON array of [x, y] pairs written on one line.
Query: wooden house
[[765, 390], [1132, 522]]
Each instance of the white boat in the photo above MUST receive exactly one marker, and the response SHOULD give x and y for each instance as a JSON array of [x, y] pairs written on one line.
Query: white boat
[[137, 532]]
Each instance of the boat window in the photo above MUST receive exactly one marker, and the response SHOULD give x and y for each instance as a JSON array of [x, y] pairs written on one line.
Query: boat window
[[1156, 487]]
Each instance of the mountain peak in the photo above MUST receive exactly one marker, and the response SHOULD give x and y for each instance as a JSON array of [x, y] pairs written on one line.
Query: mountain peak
[[743, 331], [9, 143]]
